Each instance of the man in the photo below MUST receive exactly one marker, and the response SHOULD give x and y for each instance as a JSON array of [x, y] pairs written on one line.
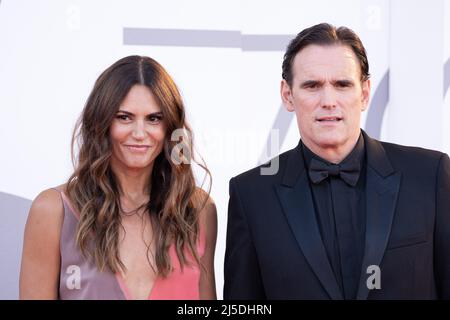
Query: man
[[345, 216]]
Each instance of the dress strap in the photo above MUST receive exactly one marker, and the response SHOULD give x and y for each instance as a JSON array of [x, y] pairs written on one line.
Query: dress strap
[[67, 203]]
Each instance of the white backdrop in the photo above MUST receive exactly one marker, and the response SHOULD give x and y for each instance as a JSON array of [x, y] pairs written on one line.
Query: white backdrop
[[226, 58]]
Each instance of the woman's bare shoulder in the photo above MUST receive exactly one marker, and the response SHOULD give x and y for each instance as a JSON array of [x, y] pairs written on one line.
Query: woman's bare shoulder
[[41, 249], [204, 197], [47, 206], [208, 212]]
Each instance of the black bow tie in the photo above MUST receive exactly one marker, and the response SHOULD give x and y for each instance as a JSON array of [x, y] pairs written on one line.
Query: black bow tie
[[349, 171]]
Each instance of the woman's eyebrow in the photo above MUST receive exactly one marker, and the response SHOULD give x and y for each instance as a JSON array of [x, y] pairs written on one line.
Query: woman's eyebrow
[[158, 113], [125, 112]]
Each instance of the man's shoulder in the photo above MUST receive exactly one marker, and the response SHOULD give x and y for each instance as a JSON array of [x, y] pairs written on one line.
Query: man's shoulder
[[399, 151], [412, 159]]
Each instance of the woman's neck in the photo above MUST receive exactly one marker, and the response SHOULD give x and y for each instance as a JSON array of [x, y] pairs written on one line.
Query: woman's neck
[[134, 183]]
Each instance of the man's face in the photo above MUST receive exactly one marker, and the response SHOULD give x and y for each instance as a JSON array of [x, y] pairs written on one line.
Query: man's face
[[327, 96]]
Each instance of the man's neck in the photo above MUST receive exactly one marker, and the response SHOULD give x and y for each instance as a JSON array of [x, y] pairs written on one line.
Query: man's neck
[[333, 154]]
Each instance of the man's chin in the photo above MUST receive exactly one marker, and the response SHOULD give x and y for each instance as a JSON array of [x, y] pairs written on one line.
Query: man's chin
[[329, 140]]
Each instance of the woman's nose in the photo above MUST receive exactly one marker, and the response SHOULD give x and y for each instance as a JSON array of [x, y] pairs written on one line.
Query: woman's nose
[[139, 130]]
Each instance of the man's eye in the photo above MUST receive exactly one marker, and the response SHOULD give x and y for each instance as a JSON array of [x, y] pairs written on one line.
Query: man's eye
[[343, 84], [312, 86]]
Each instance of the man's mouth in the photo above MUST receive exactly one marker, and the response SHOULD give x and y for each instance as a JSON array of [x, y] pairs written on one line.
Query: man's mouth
[[329, 119]]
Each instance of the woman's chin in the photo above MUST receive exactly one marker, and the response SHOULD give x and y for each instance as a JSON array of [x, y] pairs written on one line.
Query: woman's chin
[[138, 165]]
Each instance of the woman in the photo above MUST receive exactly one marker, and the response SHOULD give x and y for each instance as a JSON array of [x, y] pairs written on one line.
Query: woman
[[130, 222]]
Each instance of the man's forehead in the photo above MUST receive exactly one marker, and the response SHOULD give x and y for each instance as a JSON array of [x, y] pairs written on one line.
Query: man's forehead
[[326, 60]]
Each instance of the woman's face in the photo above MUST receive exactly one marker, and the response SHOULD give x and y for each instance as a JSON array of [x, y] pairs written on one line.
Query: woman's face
[[137, 131]]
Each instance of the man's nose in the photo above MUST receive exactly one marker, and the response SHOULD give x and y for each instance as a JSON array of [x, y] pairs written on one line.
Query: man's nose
[[328, 97]]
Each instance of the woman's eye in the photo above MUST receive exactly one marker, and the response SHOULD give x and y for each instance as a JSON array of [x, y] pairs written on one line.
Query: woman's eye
[[123, 117], [155, 119]]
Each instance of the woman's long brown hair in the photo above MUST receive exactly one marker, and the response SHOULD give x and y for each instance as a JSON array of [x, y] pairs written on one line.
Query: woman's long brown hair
[[175, 201]]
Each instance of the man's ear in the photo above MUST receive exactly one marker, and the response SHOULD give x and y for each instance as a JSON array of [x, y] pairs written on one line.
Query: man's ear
[[286, 95], [365, 94]]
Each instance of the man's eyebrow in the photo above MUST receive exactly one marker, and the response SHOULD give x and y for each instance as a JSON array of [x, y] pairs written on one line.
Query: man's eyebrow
[[309, 83], [344, 82]]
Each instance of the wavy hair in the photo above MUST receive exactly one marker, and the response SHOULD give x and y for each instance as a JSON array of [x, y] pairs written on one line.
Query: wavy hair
[[175, 201]]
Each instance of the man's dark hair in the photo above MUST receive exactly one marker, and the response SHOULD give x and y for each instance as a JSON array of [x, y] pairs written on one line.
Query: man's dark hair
[[325, 34]]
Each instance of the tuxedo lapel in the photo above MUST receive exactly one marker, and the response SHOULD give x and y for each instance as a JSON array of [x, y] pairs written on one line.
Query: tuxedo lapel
[[382, 188], [297, 203]]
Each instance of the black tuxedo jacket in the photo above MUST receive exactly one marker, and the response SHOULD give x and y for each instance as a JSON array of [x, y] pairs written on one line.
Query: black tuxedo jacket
[[274, 248]]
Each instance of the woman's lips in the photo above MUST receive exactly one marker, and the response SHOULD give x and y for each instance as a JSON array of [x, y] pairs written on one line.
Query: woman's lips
[[137, 148]]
